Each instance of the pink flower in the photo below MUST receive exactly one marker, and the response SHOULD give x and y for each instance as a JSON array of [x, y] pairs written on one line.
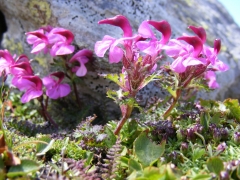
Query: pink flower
[[55, 89], [212, 81], [57, 40], [153, 47], [108, 42], [39, 41], [82, 57], [6, 61], [32, 85], [22, 67], [185, 53], [61, 40]]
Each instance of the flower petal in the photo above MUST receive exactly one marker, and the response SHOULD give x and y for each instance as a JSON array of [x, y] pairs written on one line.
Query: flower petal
[[31, 94]]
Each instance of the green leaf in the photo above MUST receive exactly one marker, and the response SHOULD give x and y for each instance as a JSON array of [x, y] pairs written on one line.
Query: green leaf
[[172, 92], [204, 120], [124, 161], [26, 166], [197, 153], [202, 177], [42, 148], [216, 118], [147, 151], [116, 78], [111, 138], [89, 158], [153, 173], [215, 165], [134, 165], [233, 106]]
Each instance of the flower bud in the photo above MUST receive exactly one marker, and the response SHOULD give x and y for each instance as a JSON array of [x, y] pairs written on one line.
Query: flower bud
[[236, 138], [184, 147], [221, 147], [224, 175]]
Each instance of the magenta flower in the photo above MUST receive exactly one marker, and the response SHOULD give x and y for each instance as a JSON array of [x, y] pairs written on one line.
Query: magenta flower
[[6, 61], [32, 85], [57, 40], [61, 40], [153, 47], [82, 57], [39, 41], [22, 67], [211, 78], [185, 53], [108, 42], [54, 88]]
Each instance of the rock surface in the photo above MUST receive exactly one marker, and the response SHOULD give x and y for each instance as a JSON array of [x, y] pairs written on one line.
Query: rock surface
[[81, 18]]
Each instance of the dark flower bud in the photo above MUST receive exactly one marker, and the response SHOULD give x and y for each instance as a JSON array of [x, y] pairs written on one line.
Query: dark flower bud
[[224, 133], [216, 134], [190, 134], [198, 128]]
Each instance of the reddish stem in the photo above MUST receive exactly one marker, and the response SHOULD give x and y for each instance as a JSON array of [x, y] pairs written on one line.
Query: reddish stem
[[126, 115], [46, 116]]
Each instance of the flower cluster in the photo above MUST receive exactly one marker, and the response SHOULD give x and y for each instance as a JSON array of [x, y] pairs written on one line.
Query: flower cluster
[[192, 58], [57, 41], [139, 53]]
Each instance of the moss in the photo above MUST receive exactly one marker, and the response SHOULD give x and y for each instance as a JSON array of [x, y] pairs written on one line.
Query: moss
[[13, 46], [42, 61], [40, 10]]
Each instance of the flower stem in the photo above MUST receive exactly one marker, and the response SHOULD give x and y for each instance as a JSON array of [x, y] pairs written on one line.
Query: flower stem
[[46, 116], [126, 114], [76, 94], [175, 100]]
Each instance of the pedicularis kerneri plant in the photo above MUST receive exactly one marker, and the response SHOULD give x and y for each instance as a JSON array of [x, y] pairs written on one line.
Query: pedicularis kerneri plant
[[57, 42], [139, 53]]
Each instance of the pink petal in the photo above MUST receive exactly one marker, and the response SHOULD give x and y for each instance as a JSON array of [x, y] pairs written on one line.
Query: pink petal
[[163, 27], [65, 49], [120, 21], [82, 70], [177, 65], [191, 61], [82, 55], [64, 90], [195, 41], [48, 81], [115, 54], [23, 84], [38, 47], [31, 94], [200, 32], [219, 65], [145, 31], [102, 46]]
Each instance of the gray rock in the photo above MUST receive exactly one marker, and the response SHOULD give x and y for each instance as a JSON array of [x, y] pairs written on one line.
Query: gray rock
[[81, 18]]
